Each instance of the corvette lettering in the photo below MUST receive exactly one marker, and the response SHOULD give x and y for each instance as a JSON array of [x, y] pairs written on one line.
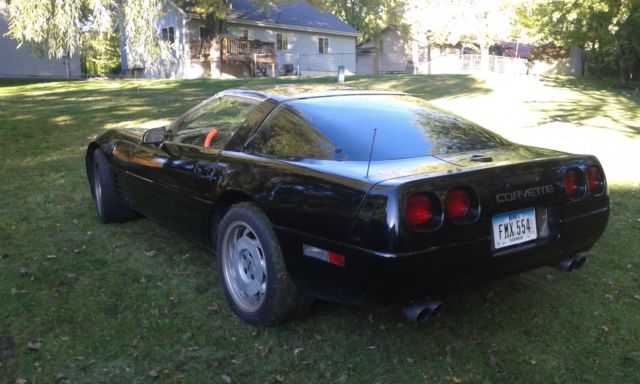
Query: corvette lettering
[[525, 194]]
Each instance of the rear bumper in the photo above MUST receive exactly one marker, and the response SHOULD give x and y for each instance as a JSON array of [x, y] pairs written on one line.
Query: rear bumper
[[381, 279]]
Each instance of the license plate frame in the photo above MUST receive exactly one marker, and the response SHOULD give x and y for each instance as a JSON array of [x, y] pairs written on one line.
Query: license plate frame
[[514, 228]]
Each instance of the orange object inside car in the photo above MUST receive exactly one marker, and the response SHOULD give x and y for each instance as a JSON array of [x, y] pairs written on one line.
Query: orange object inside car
[[209, 139]]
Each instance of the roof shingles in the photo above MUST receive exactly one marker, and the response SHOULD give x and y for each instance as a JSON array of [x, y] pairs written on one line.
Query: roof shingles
[[292, 13]]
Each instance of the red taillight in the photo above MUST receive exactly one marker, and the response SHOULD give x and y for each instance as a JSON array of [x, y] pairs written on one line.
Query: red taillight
[[336, 259], [571, 183], [458, 203], [419, 210], [595, 179]]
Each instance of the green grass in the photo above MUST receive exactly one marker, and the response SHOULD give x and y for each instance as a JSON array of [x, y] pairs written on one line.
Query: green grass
[[111, 303]]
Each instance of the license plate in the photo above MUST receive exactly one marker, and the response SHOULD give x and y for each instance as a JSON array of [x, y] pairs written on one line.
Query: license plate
[[514, 227]]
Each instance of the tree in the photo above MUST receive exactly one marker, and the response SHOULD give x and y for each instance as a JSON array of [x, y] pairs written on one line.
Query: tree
[[99, 53], [464, 22], [607, 31], [54, 27], [367, 16]]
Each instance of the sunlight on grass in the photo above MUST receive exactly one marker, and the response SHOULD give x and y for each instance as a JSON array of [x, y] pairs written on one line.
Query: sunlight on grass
[[109, 303], [532, 111]]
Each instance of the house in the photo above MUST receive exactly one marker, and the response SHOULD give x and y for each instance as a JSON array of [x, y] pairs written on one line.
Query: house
[[391, 55], [23, 62], [292, 38]]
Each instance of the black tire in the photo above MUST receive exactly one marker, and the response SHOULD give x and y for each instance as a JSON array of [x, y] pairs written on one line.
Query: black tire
[[246, 226], [109, 205]]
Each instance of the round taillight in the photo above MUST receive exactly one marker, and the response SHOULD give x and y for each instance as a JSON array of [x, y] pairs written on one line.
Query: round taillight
[[571, 181], [419, 210], [458, 203], [595, 180]]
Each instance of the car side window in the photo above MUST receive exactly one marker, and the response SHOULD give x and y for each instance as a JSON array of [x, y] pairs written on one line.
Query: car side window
[[225, 114], [287, 135]]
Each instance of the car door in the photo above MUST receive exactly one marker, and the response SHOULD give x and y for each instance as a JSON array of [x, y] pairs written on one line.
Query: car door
[[176, 182]]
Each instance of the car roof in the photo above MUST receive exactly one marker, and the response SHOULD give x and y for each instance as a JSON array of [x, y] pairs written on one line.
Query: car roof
[[286, 92]]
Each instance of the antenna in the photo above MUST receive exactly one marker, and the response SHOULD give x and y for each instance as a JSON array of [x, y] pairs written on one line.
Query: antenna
[[373, 140]]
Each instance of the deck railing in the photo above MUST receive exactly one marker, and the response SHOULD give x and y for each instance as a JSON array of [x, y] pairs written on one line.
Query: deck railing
[[231, 47]]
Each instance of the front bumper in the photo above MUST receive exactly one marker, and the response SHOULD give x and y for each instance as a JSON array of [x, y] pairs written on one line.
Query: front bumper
[[382, 279]]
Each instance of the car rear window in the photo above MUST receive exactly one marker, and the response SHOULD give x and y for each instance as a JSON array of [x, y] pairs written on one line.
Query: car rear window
[[341, 128]]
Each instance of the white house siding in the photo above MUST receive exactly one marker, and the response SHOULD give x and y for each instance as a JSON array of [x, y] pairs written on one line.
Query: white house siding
[[367, 63], [394, 56], [303, 53], [181, 67], [23, 63]]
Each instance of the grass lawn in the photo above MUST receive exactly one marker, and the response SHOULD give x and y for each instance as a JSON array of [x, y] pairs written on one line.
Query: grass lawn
[[84, 302]]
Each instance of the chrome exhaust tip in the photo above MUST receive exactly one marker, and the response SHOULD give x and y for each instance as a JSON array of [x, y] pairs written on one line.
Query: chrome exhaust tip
[[569, 264]]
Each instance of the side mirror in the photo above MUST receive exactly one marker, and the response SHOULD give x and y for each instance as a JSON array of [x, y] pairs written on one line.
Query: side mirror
[[154, 136]]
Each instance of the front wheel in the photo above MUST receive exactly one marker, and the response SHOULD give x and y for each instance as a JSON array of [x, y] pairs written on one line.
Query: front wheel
[[109, 205], [252, 269]]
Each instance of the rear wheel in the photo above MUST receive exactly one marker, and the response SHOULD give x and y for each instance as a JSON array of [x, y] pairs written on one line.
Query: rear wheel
[[252, 269], [109, 205]]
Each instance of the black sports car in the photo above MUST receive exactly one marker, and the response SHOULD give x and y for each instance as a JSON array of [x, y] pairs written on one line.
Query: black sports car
[[372, 198]]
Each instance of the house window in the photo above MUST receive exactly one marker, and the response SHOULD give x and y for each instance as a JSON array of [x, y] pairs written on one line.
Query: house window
[[282, 41], [168, 34], [204, 33], [323, 45]]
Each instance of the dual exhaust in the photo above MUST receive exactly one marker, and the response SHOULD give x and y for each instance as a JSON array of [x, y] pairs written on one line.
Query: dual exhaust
[[429, 309], [569, 264], [423, 310]]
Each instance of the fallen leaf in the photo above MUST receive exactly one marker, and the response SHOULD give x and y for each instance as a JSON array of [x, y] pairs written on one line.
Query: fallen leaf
[[60, 376], [456, 380], [297, 351], [280, 378], [320, 338], [637, 296], [608, 296], [51, 256], [21, 381], [34, 345], [149, 253], [605, 328], [370, 317], [533, 362], [213, 308], [226, 379], [265, 351], [492, 362], [410, 360], [23, 271], [154, 373]]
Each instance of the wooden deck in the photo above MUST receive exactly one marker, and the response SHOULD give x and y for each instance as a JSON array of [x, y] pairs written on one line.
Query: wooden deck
[[236, 55]]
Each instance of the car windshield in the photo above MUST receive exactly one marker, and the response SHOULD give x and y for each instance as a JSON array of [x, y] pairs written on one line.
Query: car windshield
[[406, 127]]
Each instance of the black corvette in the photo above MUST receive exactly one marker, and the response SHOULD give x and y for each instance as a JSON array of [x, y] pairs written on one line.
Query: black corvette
[[372, 198]]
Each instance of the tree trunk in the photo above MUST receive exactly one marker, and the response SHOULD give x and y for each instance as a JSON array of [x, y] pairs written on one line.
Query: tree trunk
[[124, 62], [67, 66]]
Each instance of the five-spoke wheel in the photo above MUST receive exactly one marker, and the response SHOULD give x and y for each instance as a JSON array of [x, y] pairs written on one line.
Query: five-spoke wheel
[[252, 270]]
